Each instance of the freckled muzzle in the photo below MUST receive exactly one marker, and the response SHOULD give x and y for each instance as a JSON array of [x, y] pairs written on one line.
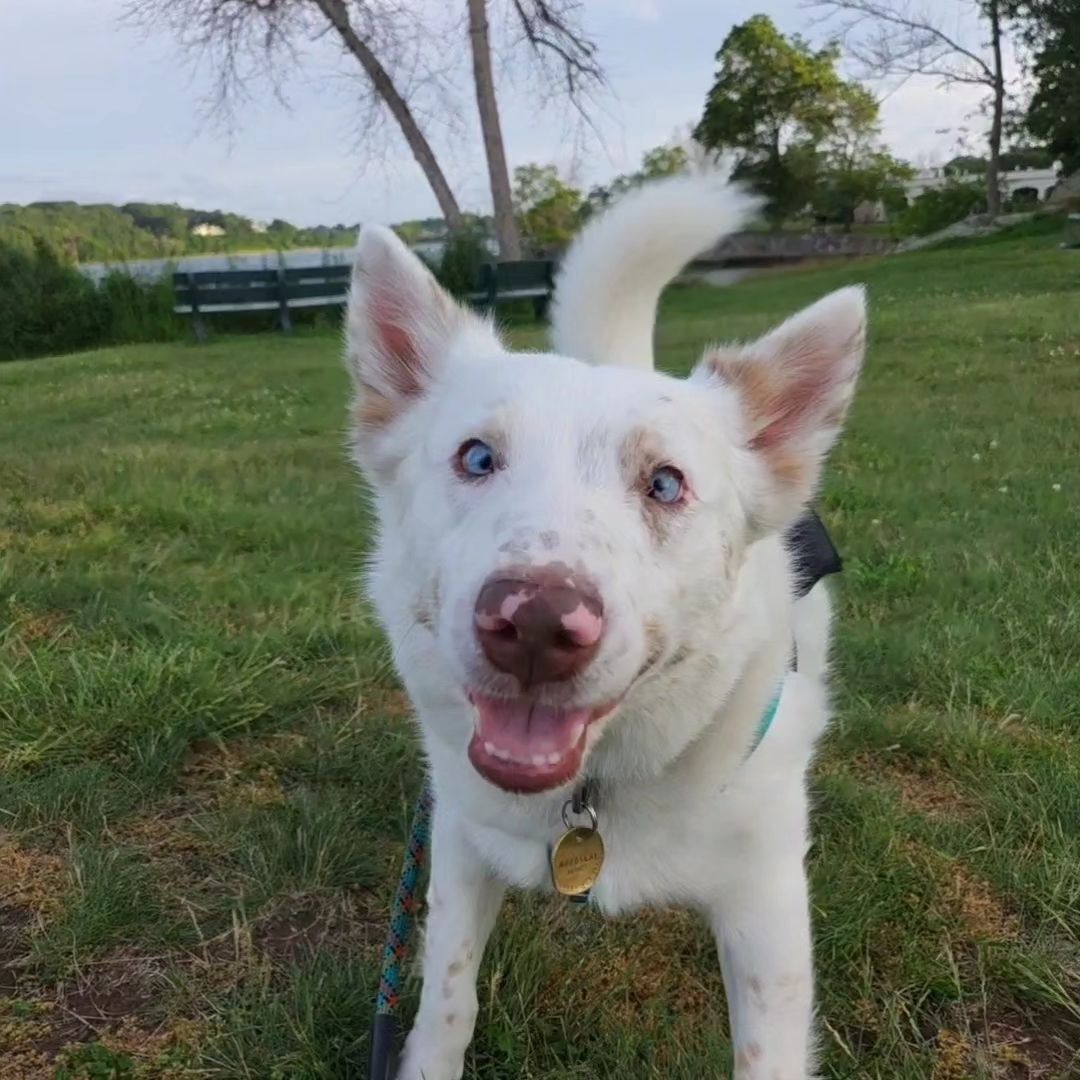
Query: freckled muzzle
[[540, 625]]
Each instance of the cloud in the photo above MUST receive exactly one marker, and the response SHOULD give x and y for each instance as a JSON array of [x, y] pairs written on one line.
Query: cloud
[[646, 10]]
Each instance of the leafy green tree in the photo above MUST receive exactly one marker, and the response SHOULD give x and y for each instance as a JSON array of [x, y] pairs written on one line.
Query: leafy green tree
[[655, 163], [940, 207], [1022, 156], [409, 231], [548, 209], [1052, 31], [105, 233], [773, 101], [853, 165]]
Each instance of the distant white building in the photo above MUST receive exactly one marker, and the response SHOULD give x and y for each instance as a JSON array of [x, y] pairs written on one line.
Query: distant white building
[[206, 229], [259, 226], [1040, 181]]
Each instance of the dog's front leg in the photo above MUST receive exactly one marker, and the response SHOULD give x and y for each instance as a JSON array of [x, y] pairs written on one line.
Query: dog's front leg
[[463, 901], [762, 927]]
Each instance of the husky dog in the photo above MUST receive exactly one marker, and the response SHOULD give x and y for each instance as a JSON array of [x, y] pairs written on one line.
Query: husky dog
[[581, 569]]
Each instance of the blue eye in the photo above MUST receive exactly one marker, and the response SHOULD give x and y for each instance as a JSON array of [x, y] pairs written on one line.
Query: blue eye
[[666, 485], [476, 458]]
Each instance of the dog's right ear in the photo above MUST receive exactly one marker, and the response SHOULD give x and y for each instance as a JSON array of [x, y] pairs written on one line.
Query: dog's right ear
[[399, 326]]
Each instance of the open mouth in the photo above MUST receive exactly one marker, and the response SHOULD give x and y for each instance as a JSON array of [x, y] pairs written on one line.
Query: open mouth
[[525, 747]]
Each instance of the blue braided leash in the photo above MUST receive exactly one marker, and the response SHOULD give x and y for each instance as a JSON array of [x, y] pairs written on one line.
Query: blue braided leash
[[403, 911]]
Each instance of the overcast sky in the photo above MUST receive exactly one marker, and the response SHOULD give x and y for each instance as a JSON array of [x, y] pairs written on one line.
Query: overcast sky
[[94, 111]]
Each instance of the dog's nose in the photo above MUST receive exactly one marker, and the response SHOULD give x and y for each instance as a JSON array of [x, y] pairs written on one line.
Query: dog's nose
[[539, 625]]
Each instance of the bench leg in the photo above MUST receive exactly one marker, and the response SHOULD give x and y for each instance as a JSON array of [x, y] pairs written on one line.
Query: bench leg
[[284, 320], [199, 326], [540, 307]]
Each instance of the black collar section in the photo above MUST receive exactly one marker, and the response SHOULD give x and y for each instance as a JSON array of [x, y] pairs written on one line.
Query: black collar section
[[812, 552]]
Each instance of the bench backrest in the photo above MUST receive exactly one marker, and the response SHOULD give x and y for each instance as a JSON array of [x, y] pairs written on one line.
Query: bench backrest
[[319, 282], [525, 274], [209, 288]]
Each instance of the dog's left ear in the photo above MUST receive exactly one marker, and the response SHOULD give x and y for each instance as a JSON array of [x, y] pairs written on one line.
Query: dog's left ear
[[795, 386], [399, 326]]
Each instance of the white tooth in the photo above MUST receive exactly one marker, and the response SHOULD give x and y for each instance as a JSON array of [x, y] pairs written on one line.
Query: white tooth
[[554, 758], [502, 754], [579, 730], [539, 759], [489, 749]]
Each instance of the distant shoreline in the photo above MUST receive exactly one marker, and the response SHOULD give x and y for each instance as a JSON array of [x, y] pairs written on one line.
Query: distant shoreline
[[149, 269], [212, 254]]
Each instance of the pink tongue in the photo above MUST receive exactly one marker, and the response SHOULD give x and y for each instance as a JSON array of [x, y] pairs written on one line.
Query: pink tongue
[[522, 730]]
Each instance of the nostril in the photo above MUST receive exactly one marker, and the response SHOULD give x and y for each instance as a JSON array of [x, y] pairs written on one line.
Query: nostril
[[582, 628], [495, 626]]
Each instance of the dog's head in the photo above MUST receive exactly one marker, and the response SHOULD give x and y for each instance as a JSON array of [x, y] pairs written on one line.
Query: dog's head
[[555, 529]]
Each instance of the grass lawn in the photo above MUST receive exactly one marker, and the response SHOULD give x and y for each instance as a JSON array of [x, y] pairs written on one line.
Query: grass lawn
[[206, 768]]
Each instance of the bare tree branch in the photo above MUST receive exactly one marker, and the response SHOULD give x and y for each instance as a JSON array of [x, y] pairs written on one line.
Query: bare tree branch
[[565, 57], [904, 38], [248, 42], [902, 31]]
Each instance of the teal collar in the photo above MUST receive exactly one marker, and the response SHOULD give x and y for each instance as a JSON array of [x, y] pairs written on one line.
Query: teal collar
[[767, 717]]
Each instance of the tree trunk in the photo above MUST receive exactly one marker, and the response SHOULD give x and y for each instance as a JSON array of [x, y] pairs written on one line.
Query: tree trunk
[[338, 16], [506, 230], [993, 168]]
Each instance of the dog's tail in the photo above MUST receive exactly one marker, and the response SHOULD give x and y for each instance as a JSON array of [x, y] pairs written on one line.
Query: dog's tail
[[611, 278]]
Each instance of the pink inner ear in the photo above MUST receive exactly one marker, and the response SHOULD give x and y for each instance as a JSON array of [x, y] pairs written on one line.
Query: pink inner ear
[[399, 355], [793, 403]]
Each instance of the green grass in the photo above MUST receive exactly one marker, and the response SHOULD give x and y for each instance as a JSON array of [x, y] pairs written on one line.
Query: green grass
[[206, 769]]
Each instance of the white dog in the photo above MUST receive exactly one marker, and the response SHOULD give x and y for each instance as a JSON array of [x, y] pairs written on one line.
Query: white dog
[[582, 573]]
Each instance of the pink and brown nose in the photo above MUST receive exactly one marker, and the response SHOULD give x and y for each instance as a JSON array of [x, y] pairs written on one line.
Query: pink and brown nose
[[540, 624]]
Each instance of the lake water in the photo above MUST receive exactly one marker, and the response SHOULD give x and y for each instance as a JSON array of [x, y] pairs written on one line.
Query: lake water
[[152, 269]]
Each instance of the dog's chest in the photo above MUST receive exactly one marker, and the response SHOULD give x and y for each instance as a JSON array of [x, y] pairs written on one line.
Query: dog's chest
[[654, 853]]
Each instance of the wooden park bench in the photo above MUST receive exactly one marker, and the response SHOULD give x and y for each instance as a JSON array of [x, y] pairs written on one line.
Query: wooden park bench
[[200, 293], [529, 279]]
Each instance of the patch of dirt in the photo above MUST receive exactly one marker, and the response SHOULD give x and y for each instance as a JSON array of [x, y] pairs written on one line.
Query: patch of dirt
[[1008, 1045], [1020, 729], [31, 627], [31, 886], [110, 1004], [924, 788], [954, 1056], [1019, 1047], [227, 774], [159, 837], [33, 880], [964, 897], [15, 924], [303, 925], [143, 1043], [656, 964], [981, 913]]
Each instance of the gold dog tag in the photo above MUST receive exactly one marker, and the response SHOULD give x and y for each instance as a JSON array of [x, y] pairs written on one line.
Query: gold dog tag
[[576, 860]]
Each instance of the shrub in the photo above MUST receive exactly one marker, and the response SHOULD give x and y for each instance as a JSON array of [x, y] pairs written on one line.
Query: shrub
[[47, 306], [938, 208], [137, 310], [466, 251]]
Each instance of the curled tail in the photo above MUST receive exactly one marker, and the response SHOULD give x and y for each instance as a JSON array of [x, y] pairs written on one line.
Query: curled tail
[[612, 276]]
